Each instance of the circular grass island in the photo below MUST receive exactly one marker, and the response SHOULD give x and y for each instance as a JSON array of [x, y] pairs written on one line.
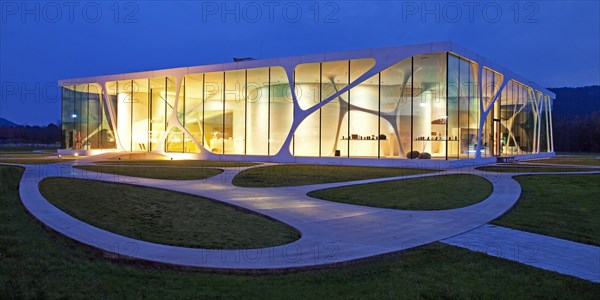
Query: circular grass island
[[164, 217], [424, 193]]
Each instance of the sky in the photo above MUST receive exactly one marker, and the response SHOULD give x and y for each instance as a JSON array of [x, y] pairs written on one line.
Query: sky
[[553, 43]]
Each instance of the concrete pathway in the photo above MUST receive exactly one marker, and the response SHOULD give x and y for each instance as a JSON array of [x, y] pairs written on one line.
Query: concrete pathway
[[331, 232], [562, 256]]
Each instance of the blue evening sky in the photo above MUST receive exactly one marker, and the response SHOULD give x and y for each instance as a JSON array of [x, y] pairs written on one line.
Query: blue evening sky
[[553, 43]]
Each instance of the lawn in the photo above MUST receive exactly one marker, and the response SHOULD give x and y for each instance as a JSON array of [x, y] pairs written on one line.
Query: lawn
[[531, 169], [294, 175], [36, 263], [563, 206], [172, 173], [583, 160], [164, 217], [426, 193], [181, 163]]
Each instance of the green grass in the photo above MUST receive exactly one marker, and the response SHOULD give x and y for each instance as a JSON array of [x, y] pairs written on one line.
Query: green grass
[[563, 206], [172, 173], [40, 161], [427, 193], [582, 160], [164, 217], [181, 163], [35, 263], [531, 169], [297, 174]]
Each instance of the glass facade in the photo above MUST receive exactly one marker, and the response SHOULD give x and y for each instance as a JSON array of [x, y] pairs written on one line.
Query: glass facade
[[425, 106]]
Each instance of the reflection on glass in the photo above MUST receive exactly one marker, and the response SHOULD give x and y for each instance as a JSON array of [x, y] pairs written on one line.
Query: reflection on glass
[[281, 109], [193, 86], [213, 112], [257, 131]]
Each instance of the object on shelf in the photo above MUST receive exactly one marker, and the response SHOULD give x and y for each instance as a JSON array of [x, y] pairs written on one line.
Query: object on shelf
[[354, 136], [412, 154], [439, 121], [424, 155], [382, 137]]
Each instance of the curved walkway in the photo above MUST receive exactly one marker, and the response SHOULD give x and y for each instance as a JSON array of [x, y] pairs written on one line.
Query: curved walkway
[[331, 232]]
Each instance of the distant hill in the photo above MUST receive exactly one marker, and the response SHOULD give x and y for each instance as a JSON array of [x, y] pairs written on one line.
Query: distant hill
[[582, 101], [6, 123]]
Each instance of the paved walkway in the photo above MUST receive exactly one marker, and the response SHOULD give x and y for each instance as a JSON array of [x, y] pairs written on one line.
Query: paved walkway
[[331, 232], [532, 249]]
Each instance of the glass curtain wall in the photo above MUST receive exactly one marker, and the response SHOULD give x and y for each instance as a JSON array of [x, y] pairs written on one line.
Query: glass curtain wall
[[85, 124], [427, 103]]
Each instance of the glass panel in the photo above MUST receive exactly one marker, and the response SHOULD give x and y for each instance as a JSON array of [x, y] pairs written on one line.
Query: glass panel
[[111, 90], [308, 91], [396, 110], [334, 121], [467, 127], [68, 117], [543, 125], [140, 109], [125, 113], [81, 112], [364, 105], [307, 85], [453, 105], [158, 107], [364, 119], [214, 117], [281, 109], [170, 97], [175, 140], [429, 104], [194, 110], [257, 133], [306, 137], [94, 116], [235, 112]]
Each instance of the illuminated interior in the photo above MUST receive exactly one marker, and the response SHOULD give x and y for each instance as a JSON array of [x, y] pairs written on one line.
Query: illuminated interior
[[426, 103]]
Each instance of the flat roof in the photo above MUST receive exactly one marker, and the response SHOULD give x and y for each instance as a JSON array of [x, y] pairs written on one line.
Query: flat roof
[[321, 57]]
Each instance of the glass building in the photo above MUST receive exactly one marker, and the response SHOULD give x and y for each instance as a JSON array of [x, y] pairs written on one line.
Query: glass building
[[433, 101]]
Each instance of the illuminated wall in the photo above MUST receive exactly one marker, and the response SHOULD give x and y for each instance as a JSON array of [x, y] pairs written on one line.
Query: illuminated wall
[[442, 105]]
